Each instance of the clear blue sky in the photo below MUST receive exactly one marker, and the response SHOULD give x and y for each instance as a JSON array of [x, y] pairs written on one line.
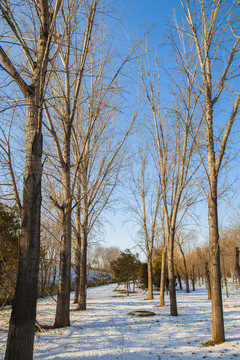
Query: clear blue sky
[[136, 16]]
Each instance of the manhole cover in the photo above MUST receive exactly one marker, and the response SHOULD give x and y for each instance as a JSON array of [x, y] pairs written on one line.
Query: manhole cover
[[141, 313]]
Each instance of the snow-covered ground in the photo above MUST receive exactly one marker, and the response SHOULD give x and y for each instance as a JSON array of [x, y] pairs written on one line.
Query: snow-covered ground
[[105, 331]]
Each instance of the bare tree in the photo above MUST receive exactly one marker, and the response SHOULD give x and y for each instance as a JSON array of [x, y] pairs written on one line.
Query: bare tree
[[144, 185], [212, 26], [98, 171], [29, 75], [174, 134], [63, 106]]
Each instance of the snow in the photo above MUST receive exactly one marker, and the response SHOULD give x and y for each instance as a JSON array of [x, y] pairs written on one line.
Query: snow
[[105, 331]]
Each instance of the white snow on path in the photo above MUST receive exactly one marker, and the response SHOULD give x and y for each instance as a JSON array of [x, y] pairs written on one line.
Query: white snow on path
[[105, 332]]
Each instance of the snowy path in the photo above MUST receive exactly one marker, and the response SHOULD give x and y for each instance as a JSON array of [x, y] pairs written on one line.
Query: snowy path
[[106, 332]]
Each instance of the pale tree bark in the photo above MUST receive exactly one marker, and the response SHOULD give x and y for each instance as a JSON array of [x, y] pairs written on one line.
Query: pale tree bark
[[207, 30], [23, 316], [163, 265], [163, 272]]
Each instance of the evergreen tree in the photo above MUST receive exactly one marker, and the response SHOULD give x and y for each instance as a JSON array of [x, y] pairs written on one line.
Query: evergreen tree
[[126, 269], [9, 237]]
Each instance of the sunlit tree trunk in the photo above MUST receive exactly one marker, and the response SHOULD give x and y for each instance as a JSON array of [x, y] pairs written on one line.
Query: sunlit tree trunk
[[22, 323], [150, 282], [163, 272], [214, 19]]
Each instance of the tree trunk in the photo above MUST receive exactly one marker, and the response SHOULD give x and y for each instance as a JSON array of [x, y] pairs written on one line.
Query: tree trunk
[[42, 280], [82, 299], [216, 291], [179, 281], [62, 317], [193, 282], [162, 279], [78, 239], [208, 283], [171, 276], [150, 283], [193, 278], [54, 277], [186, 277], [77, 276], [23, 316], [187, 283], [237, 267]]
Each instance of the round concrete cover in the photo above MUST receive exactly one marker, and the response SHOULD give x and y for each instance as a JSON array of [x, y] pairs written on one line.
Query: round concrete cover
[[141, 313]]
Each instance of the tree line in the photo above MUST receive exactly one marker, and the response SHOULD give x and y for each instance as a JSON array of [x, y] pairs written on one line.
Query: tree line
[[60, 72]]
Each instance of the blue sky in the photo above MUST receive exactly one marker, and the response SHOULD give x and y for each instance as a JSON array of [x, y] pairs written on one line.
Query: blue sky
[[136, 16]]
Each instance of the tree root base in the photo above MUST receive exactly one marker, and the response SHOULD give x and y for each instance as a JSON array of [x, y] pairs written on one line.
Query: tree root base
[[211, 343]]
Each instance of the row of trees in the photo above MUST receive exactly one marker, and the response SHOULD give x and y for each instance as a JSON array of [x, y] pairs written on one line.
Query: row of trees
[[59, 57], [191, 264], [181, 157]]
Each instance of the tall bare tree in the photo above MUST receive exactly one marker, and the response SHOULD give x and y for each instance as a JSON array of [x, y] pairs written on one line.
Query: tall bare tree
[[98, 172], [144, 186], [24, 55], [68, 70], [213, 28], [174, 134]]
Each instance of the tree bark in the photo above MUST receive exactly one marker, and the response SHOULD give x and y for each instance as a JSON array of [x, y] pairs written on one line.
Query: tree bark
[[208, 283], [150, 282], [216, 291], [237, 267], [179, 280], [22, 323], [82, 300], [186, 277], [162, 279], [77, 272], [215, 270], [23, 316], [62, 317], [171, 275], [78, 240]]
